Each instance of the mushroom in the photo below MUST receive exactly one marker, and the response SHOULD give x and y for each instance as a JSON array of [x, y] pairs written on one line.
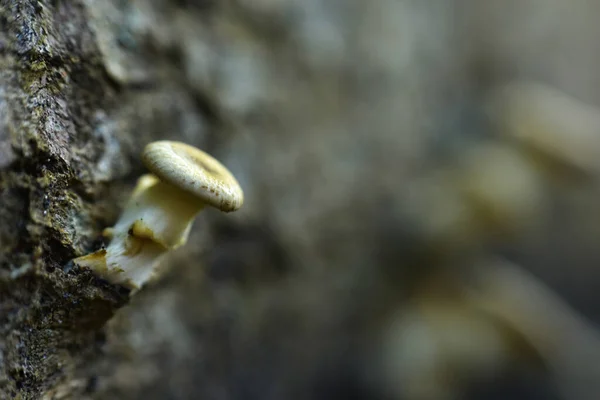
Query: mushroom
[[436, 348], [550, 122], [503, 190], [565, 341], [494, 192], [447, 338], [160, 212]]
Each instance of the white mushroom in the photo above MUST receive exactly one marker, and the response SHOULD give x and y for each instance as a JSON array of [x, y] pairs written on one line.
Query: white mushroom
[[160, 212]]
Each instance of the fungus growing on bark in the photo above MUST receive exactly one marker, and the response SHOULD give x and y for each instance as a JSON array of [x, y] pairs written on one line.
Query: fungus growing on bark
[[160, 212]]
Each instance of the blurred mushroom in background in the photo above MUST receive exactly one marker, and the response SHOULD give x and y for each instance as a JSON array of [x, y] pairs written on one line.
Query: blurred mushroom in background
[[469, 324], [548, 122], [443, 343]]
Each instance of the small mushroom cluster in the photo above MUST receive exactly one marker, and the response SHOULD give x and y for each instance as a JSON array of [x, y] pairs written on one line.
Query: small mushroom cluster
[[160, 212], [444, 342], [495, 314]]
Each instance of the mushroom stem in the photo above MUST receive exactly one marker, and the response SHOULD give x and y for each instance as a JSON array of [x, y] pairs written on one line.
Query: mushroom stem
[[157, 218], [160, 212]]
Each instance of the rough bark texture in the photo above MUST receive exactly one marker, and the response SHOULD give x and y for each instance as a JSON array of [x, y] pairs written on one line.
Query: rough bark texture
[[324, 110]]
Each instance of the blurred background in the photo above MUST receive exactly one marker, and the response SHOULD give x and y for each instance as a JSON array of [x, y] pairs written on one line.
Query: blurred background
[[394, 155], [422, 211]]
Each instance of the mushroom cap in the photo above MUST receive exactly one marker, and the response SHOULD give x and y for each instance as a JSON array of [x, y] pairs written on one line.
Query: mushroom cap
[[195, 172]]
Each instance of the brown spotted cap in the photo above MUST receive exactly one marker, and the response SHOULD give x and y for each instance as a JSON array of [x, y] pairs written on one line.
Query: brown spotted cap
[[195, 172]]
